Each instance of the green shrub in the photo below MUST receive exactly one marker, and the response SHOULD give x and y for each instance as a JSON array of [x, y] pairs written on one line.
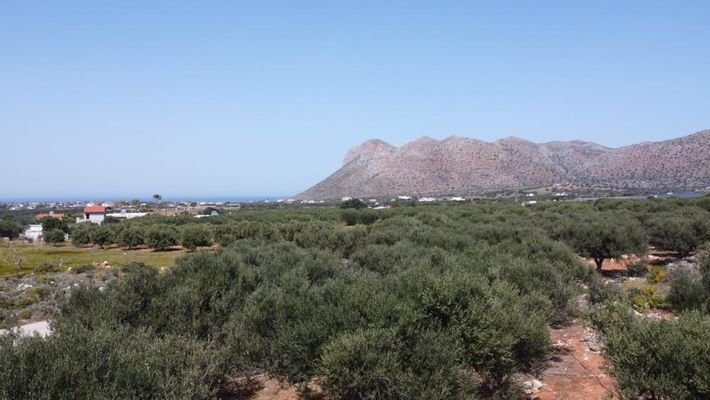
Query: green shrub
[[645, 298], [376, 364], [10, 227], [108, 361], [687, 291], [656, 275], [500, 331], [82, 234], [353, 203], [46, 268], [84, 268], [161, 237], [657, 359], [53, 236], [637, 269], [131, 236], [103, 236], [194, 235]]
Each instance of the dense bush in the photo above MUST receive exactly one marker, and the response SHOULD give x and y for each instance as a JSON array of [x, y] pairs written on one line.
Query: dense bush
[[353, 203], [82, 234], [359, 216], [687, 291], [691, 289], [657, 359], [50, 223], [103, 236], [10, 227], [682, 231], [379, 364], [106, 362], [53, 236], [193, 236], [131, 236], [637, 269], [161, 237]]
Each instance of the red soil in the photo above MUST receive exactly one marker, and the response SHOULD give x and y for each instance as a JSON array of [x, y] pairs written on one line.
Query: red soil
[[575, 372]]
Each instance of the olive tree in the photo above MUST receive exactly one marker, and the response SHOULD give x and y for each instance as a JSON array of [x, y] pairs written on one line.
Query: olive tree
[[606, 235], [103, 236], [195, 235], [131, 236], [10, 228], [81, 234], [54, 236], [161, 237]]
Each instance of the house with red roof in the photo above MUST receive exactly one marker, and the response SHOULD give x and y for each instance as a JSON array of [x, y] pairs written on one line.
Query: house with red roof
[[95, 214]]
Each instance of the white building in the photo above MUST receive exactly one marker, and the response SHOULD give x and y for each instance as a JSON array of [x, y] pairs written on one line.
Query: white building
[[126, 214], [34, 233], [94, 214]]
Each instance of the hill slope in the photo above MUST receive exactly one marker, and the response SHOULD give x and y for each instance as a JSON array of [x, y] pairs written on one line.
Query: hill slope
[[459, 165]]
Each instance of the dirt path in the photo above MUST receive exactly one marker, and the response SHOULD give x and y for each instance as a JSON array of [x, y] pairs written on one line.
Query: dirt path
[[271, 389], [575, 371]]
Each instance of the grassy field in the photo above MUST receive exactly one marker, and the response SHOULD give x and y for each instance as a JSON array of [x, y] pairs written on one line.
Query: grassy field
[[34, 255]]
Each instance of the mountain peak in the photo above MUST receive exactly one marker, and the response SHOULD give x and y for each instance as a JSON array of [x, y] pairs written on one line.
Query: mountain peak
[[369, 148]]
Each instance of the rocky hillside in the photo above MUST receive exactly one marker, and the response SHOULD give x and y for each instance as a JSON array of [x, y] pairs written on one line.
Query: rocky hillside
[[458, 165]]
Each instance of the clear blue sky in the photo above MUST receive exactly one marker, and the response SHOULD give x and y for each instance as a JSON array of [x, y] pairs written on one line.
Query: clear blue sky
[[206, 98]]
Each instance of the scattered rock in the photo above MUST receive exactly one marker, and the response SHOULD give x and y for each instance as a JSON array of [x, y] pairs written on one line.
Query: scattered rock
[[532, 386], [680, 265], [560, 345]]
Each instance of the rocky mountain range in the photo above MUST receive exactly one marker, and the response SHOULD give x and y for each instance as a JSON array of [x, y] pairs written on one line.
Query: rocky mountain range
[[459, 165]]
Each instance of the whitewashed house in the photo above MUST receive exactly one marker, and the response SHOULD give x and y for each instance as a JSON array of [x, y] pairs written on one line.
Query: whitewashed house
[[34, 232], [126, 214], [94, 214]]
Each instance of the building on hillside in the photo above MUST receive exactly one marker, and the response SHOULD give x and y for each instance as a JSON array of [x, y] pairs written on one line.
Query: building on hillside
[[51, 214], [127, 214], [34, 233], [93, 214]]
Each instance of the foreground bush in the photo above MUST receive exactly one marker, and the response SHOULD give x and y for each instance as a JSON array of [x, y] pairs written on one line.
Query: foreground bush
[[108, 362], [657, 359], [377, 364]]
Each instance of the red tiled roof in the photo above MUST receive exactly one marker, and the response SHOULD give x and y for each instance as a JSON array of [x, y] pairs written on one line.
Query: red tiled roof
[[94, 210], [57, 216]]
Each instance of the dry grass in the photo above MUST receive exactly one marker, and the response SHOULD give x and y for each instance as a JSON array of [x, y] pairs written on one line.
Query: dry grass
[[34, 255]]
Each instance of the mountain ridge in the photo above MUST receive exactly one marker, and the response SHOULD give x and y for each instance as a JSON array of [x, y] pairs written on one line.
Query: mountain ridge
[[460, 165]]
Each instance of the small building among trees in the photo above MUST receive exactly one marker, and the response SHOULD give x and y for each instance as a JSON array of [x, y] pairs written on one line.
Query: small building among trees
[[33, 233], [95, 214]]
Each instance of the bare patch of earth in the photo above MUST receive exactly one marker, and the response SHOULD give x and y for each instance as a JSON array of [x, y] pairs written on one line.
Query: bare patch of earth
[[575, 371]]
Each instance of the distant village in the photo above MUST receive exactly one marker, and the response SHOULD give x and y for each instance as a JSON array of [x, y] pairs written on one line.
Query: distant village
[[100, 212]]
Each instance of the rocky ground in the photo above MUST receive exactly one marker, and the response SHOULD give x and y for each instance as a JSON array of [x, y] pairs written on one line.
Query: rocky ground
[[35, 296]]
